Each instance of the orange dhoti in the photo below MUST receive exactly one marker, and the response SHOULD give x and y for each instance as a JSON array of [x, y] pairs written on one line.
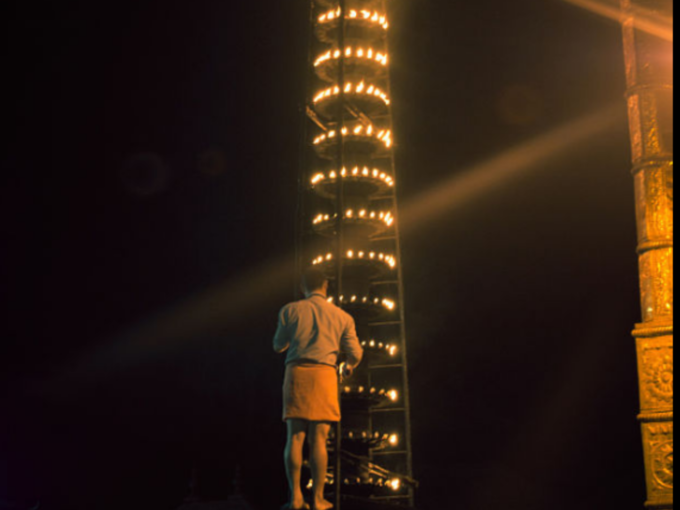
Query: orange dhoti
[[310, 392]]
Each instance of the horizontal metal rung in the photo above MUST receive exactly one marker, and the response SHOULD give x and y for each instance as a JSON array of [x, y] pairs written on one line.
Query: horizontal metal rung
[[396, 496], [387, 323], [386, 282], [395, 452], [384, 238], [397, 365], [393, 410], [381, 117]]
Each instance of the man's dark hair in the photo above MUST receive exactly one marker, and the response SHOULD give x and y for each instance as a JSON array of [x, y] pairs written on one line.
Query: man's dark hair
[[313, 278]]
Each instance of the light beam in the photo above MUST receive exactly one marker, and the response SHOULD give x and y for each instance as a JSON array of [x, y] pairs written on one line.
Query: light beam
[[469, 184], [215, 309], [644, 19]]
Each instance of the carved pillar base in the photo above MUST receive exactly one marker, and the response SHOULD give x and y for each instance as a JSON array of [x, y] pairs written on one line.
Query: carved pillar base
[[655, 359]]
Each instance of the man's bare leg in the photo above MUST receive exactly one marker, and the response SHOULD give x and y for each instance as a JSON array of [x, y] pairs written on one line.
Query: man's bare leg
[[318, 436], [292, 455]]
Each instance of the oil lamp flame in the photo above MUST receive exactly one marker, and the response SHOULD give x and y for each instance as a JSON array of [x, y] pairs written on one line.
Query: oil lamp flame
[[351, 52], [374, 17]]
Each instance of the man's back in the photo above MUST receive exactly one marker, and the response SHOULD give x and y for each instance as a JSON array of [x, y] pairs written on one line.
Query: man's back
[[314, 330]]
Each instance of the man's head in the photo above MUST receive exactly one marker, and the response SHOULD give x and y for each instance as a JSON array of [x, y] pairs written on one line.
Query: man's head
[[314, 280]]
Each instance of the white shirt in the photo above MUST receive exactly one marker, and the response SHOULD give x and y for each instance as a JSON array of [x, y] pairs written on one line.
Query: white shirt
[[314, 330]]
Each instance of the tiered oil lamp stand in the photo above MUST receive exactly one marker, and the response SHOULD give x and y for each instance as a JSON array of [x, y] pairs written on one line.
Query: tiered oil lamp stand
[[350, 230]]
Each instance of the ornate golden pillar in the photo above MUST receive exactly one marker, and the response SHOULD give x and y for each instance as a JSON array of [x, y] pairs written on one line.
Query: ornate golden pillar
[[649, 70]]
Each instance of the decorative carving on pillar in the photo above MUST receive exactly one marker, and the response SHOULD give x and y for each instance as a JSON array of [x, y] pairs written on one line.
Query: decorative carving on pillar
[[662, 456], [656, 367], [658, 442]]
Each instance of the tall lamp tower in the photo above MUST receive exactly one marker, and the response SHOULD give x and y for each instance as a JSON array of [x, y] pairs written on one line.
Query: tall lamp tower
[[349, 228], [649, 72]]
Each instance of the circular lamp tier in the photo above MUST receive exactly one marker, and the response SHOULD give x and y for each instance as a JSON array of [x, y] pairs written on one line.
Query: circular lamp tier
[[374, 265], [370, 484], [367, 485], [375, 440], [359, 140], [359, 61], [367, 97], [362, 23], [360, 397], [364, 222], [366, 307], [379, 348], [360, 181]]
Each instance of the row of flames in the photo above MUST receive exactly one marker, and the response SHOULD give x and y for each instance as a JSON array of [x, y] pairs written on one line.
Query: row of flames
[[374, 17], [360, 89], [384, 135], [385, 217], [355, 172], [390, 260], [393, 395], [369, 54], [392, 483], [392, 439], [387, 303], [391, 348]]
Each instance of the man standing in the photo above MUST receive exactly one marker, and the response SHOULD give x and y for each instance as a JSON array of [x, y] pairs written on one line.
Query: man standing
[[314, 332]]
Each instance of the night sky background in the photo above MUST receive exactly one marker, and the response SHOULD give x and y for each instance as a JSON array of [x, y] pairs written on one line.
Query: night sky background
[[151, 155]]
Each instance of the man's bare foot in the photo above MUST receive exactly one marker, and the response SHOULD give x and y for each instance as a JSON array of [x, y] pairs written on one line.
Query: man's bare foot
[[298, 504], [322, 505]]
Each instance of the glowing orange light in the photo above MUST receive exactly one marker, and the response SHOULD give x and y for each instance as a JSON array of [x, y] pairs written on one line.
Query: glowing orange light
[[373, 17], [350, 88], [385, 135], [388, 303], [390, 260], [369, 54], [364, 172]]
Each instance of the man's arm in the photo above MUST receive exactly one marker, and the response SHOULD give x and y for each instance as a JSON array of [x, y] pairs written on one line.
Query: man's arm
[[281, 337], [350, 344]]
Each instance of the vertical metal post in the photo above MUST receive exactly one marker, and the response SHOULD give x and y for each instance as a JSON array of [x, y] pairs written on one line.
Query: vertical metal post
[[650, 105], [402, 316], [340, 209]]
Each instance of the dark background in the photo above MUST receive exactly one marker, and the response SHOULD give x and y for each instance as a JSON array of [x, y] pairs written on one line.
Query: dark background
[[151, 154]]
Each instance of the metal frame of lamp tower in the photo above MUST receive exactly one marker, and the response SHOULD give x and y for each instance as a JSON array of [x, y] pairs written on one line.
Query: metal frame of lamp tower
[[649, 72], [348, 226]]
